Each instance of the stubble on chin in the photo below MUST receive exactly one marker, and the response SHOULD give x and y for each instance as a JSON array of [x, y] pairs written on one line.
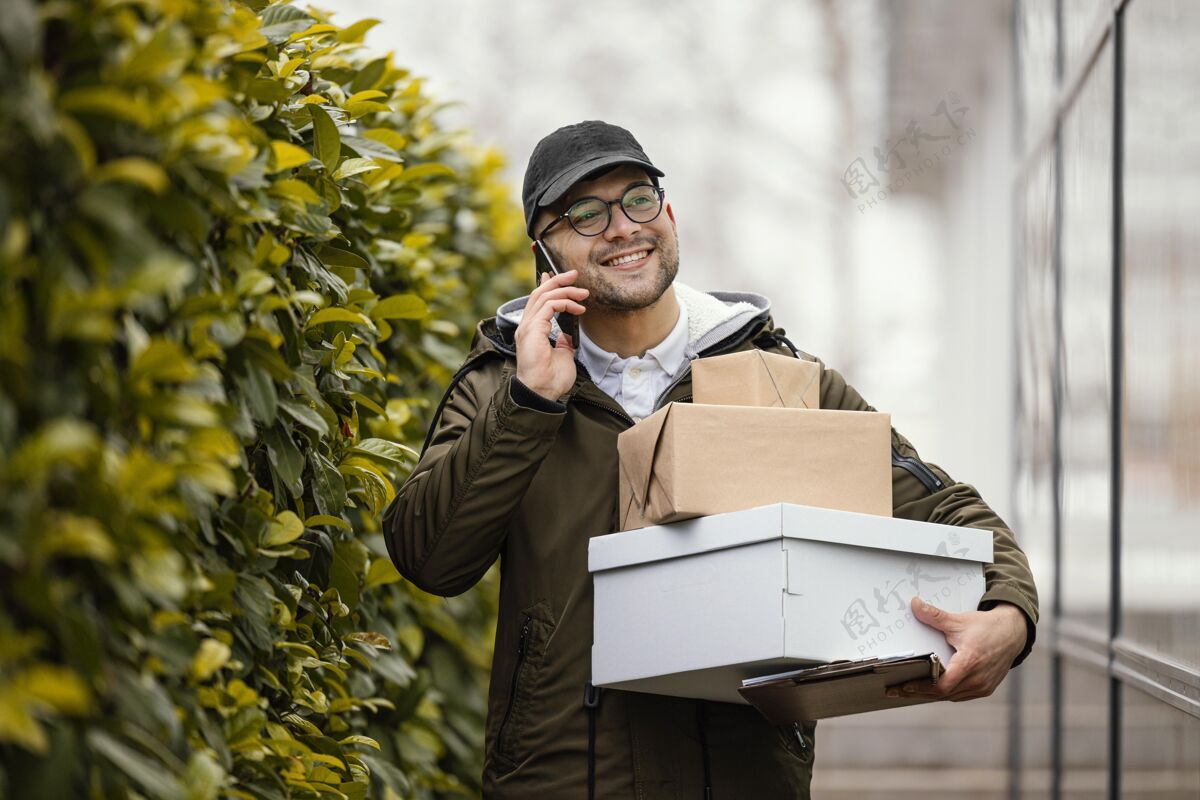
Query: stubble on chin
[[613, 297]]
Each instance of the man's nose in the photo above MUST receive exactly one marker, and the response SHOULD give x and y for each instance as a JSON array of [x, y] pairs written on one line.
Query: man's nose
[[620, 226]]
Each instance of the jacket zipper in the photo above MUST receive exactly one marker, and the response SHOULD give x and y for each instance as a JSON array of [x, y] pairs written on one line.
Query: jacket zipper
[[613, 409], [921, 472], [800, 737], [522, 646]]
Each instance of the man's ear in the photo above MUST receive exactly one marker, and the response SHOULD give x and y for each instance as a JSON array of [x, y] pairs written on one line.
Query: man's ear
[[671, 216]]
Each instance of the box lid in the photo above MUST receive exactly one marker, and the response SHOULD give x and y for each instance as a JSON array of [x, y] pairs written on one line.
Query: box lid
[[786, 520]]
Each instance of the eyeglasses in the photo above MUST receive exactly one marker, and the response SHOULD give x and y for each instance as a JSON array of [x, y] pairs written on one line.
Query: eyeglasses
[[590, 216]]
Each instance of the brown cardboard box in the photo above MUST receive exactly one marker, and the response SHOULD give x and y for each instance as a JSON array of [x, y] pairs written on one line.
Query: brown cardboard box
[[690, 460], [756, 378]]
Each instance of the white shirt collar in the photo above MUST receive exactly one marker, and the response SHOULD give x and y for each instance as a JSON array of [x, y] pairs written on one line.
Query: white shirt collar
[[670, 353]]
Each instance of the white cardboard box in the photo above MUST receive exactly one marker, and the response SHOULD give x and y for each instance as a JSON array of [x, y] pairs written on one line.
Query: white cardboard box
[[692, 608]]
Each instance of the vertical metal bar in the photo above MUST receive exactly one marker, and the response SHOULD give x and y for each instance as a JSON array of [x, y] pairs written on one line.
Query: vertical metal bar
[[1016, 206], [1056, 662], [1118, 381]]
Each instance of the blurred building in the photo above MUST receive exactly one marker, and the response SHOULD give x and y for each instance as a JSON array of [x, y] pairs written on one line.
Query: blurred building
[[1108, 414], [980, 213]]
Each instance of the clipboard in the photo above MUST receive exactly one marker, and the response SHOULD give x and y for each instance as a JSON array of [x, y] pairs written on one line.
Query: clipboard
[[839, 688]]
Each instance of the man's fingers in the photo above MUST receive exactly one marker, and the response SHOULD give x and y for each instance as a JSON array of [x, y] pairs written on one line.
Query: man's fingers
[[537, 300], [953, 675], [958, 698], [559, 305], [915, 689], [539, 322], [947, 685], [930, 614], [549, 282]]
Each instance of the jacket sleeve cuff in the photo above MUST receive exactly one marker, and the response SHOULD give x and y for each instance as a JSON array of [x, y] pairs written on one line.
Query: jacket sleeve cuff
[[1003, 594], [525, 397]]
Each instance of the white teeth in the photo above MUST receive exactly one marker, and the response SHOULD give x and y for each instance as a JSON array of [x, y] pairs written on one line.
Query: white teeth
[[631, 257]]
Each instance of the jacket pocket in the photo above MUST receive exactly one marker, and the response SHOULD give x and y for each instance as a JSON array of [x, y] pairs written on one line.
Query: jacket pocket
[[799, 739], [512, 735]]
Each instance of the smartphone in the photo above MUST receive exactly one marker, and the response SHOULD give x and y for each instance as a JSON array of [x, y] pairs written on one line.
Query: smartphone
[[568, 323]]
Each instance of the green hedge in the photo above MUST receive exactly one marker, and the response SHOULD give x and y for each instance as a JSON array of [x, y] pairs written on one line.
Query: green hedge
[[239, 257]]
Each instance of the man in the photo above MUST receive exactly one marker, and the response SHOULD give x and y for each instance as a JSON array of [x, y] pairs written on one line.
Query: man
[[521, 464]]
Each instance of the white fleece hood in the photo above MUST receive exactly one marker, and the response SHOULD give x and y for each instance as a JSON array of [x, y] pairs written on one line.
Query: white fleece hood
[[712, 316]]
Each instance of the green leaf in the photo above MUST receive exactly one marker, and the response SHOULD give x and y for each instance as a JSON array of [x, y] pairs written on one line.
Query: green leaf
[[326, 519], [311, 31], [369, 76], [285, 528], [145, 772], [381, 572], [286, 155], [204, 777], [343, 575], [261, 397], [212, 655], [430, 170], [354, 166], [363, 400], [326, 142], [388, 451], [394, 668], [370, 94], [163, 360], [75, 536], [284, 12], [262, 354], [355, 32], [372, 148], [335, 257], [107, 101], [400, 306], [253, 283], [54, 686], [329, 488], [285, 459], [305, 415], [297, 190], [336, 314], [393, 139], [281, 20], [134, 170]]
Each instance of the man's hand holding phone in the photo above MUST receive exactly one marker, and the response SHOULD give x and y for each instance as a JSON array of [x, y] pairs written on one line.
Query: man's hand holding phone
[[548, 369]]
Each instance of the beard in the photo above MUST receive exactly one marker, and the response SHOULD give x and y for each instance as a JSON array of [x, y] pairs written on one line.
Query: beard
[[607, 294]]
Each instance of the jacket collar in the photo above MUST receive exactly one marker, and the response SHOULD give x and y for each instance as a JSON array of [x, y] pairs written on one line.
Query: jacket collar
[[713, 317]]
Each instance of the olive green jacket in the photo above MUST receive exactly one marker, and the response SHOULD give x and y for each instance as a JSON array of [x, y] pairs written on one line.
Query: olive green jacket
[[507, 474]]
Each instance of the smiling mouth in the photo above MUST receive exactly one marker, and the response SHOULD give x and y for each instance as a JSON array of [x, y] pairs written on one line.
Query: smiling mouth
[[629, 259]]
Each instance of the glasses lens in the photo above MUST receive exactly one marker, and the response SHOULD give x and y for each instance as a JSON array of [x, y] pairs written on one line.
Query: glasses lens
[[588, 216], [641, 203]]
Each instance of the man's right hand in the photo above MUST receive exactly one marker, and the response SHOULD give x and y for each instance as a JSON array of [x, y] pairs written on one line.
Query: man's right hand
[[546, 369]]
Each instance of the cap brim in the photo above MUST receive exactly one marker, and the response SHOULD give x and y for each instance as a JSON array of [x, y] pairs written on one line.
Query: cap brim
[[564, 182]]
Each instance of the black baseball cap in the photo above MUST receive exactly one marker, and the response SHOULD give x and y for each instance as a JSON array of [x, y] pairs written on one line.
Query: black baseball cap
[[573, 153]]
